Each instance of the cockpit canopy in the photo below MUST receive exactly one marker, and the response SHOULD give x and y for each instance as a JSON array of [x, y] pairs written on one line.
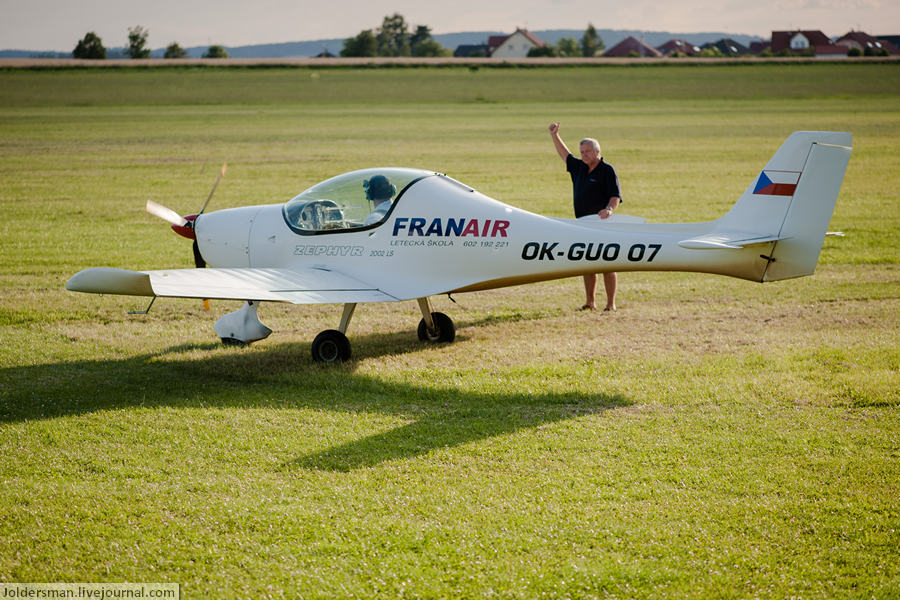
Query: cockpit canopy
[[357, 199]]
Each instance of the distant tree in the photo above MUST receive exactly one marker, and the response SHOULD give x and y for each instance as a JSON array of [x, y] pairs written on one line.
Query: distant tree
[[422, 44], [542, 51], [393, 37], [173, 50], [137, 42], [591, 44], [421, 34], [91, 46], [216, 52], [430, 48], [567, 46], [364, 44]]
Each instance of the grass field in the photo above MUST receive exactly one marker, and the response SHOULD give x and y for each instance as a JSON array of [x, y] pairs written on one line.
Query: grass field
[[713, 438]]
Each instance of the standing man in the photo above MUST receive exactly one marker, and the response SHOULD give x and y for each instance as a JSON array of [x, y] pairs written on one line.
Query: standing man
[[595, 188]]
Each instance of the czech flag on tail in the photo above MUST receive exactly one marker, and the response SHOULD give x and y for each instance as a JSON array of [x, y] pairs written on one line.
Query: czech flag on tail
[[777, 183]]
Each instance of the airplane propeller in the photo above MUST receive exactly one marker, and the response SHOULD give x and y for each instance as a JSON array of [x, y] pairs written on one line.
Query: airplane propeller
[[215, 185], [166, 214], [184, 226]]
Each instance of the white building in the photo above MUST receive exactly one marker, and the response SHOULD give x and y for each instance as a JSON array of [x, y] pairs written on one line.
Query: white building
[[516, 45]]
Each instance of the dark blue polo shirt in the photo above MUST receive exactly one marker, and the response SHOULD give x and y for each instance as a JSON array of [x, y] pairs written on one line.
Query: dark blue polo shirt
[[592, 190]]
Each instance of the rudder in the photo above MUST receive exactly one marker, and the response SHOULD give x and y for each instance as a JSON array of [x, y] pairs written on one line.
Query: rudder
[[803, 232], [791, 201]]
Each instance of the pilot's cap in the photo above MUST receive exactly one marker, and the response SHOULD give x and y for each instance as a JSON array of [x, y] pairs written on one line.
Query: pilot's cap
[[379, 188]]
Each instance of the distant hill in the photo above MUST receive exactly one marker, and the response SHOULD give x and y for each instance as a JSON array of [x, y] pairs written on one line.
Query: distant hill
[[33, 54], [610, 37]]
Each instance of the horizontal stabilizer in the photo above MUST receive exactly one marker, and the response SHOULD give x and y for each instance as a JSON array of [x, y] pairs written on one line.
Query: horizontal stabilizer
[[719, 241]]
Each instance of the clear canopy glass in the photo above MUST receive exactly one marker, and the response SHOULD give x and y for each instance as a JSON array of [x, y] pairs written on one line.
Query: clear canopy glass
[[357, 199]]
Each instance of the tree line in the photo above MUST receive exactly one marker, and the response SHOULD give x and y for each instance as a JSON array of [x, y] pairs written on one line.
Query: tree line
[[590, 44], [91, 47], [393, 38]]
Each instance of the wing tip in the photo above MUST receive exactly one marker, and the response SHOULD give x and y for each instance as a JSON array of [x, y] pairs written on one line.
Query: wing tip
[[104, 280]]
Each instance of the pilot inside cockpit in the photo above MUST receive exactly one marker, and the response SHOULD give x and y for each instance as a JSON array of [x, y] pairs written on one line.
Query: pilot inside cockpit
[[336, 204], [379, 191]]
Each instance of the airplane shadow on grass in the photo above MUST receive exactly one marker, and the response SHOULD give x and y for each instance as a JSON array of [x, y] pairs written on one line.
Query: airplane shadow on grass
[[284, 376]]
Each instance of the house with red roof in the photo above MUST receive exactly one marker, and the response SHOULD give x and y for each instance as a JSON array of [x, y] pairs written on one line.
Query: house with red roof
[[516, 45], [673, 46], [631, 46], [867, 43], [811, 40]]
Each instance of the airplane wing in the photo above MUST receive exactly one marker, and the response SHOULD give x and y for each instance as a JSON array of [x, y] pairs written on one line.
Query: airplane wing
[[305, 286]]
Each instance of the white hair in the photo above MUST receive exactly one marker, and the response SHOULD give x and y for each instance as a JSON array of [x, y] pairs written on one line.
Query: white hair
[[592, 142]]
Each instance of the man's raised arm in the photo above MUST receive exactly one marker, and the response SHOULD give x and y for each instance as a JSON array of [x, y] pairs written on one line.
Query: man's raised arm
[[561, 147]]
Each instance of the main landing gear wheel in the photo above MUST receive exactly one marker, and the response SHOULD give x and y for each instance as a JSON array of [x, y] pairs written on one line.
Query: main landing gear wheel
[[444, 329], [331, 346]]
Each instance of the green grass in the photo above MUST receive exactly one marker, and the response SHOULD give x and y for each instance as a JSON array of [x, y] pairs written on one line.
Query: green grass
[[714, 438], [266, 86]]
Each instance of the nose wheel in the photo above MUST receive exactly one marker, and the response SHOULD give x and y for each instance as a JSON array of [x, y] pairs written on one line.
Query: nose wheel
[[331, 346]]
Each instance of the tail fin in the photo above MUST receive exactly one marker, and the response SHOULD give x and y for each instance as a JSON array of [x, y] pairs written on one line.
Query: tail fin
[[792, 200]]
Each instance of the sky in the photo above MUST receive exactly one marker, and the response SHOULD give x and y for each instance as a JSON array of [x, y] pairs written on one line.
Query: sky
[[57, 25]]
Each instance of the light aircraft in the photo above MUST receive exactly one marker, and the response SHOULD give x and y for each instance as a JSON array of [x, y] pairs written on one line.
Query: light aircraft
[[440, 236]]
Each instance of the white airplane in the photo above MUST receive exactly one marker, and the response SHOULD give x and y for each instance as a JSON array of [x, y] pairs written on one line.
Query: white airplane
[[439, 236]]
